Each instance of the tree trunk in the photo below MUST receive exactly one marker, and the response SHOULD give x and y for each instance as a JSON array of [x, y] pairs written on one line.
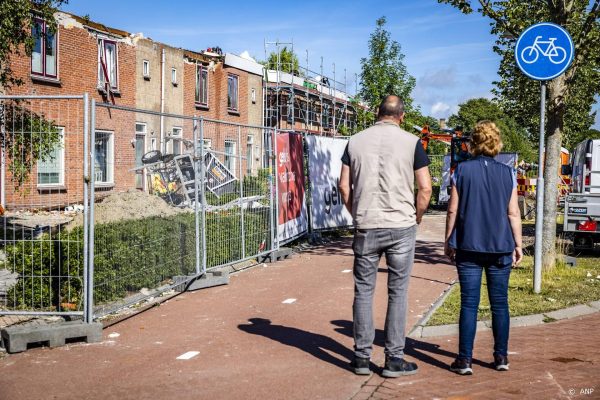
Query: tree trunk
[[554, 129]]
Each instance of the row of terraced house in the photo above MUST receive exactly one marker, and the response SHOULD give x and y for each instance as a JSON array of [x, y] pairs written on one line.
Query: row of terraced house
[[137, 73]]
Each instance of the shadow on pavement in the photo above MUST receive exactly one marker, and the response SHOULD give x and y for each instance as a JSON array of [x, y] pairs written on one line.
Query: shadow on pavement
[[314, 344], [414, 348]]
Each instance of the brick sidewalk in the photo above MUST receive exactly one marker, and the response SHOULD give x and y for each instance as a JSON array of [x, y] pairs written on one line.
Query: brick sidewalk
[[559, 360]]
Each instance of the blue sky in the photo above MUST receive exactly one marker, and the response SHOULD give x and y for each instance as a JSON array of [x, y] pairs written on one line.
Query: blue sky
[[449, 54]]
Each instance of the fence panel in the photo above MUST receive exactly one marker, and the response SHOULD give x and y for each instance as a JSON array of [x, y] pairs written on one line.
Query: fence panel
[[436, 169], [143, 219], [238, 192], [44, 212]]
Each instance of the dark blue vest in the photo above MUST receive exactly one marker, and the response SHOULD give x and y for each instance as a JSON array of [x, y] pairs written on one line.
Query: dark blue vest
[[484, 189]]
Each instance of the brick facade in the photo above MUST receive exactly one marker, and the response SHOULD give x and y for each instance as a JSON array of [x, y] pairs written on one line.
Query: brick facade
[[77, 74]]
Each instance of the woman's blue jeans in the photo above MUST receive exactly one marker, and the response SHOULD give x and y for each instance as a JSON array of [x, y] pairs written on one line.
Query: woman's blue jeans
[[497, 272]]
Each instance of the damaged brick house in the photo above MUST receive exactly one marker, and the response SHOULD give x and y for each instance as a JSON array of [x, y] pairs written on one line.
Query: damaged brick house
[[76, 59], [134, 72]]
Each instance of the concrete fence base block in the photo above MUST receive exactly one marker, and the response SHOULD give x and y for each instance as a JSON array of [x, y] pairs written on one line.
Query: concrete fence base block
[[277, 255], [212, 278], [17, 338], [571, 312]]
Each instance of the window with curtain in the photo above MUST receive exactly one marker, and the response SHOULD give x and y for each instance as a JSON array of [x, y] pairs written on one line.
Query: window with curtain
[[51, 170], [44, 53], [232, 92]]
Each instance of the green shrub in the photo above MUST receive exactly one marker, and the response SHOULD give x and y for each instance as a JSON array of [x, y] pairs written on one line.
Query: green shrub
[[128, 256]]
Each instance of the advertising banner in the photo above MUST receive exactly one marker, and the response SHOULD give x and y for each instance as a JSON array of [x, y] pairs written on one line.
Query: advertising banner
[[292, 214], [324, 167]]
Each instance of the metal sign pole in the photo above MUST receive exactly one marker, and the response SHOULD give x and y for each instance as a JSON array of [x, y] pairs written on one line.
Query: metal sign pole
[[543, 63], [539, 212]]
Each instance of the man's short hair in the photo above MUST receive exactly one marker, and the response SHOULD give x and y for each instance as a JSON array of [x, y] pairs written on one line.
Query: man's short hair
[[391, 106]]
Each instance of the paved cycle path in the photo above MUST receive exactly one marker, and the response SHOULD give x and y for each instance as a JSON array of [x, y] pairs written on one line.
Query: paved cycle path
[[277, 332]]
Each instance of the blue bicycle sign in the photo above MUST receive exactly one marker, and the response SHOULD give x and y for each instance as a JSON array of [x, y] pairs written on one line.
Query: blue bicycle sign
[[544, 51], [554, 53]]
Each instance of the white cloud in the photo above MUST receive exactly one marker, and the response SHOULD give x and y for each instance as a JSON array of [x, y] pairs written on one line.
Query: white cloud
[[442, 110]]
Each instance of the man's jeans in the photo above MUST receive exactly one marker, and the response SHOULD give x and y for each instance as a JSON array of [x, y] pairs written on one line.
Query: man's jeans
[[497, 272], [399, 248]]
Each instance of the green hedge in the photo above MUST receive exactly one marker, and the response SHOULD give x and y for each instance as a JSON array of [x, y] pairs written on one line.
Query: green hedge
[[128, 256]]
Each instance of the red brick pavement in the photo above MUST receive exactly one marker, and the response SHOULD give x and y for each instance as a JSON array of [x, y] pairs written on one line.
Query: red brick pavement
[[559, 360]]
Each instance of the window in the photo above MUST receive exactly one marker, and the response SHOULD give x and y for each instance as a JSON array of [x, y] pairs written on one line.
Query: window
[[249, 154], [103, 161], [153, 144], [230, 155], [232, 92], [201, 85], [146, 68], [43, 56], [107, 63], [51, 171], [176, 140], [253, 96], [174, 76], [140, 148]]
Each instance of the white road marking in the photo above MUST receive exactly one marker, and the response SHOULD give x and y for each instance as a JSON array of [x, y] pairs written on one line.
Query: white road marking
[[114, 335], [288, 301], [188, 355], [346, 271]]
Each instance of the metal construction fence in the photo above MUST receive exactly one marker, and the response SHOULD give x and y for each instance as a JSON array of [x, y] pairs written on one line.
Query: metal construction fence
[[43, 238], [105, 206]]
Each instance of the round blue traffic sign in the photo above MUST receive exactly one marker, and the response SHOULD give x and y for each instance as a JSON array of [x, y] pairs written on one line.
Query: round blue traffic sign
[[544, 51]]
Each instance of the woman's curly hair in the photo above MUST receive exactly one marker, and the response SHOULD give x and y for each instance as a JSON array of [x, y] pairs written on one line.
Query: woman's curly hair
[[486, 139]]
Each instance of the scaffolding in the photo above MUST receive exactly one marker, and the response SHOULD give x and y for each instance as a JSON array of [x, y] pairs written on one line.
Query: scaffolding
[[296, 98]]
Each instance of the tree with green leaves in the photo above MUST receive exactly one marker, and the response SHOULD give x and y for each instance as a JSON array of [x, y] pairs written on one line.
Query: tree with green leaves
[[285, 60], [570, 95], [383, 72], [16, 38], [515, 137]]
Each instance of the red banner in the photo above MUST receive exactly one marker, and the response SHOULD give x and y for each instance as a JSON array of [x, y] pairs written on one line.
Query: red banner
[[290, 183]]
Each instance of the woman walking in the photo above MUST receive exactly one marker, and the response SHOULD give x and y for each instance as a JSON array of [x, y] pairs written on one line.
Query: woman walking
[[483, 233]]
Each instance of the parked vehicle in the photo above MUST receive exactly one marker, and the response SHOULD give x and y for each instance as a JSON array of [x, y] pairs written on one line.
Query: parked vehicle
[[582, 204]]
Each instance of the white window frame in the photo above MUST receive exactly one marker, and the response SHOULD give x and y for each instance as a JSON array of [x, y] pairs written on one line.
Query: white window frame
[[61, 176], [249, 153], [102, 42], [146, 68], [227, 155], [174, 76], [253, 96], [178, 135], [233, 107], [141, 134], [110, 158], [43, 55], [198, 101]]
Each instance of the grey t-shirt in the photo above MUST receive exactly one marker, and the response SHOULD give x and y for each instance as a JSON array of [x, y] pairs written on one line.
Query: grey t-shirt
[[382, 161]]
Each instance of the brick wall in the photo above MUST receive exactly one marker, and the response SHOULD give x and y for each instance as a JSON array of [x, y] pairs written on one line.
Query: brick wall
[[77, 74]]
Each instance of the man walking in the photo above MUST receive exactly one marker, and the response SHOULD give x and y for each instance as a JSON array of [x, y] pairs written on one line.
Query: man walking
[[380, 167]]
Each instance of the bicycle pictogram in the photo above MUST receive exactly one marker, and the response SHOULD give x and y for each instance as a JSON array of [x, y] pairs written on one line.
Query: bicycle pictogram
[[555, 54]]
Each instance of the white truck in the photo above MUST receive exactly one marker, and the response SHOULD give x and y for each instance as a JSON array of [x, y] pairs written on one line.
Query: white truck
[[582, 204]]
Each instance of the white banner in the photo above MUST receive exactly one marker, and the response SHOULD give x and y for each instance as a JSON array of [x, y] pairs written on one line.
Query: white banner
[[324, 167]]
